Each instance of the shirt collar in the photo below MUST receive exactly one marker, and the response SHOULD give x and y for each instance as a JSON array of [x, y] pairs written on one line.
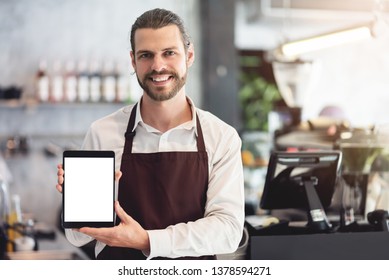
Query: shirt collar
[[188, 125]]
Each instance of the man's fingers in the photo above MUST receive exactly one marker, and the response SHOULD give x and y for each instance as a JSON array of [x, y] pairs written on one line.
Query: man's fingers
[[95, 232], [60, 173]]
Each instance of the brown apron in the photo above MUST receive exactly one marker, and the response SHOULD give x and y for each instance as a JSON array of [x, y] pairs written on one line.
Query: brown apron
[[160, 189]]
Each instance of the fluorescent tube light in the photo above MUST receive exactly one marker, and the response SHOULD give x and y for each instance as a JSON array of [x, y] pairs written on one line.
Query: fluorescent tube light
[[319, 42]]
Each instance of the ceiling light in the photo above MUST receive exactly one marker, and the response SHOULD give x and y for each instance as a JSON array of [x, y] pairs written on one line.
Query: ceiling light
[[292, 50]]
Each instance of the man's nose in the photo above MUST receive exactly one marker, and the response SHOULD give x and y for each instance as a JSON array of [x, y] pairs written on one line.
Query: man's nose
[[158, 63]]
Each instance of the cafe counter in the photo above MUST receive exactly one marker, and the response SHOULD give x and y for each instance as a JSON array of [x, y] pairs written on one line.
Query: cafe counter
[[55, 247]]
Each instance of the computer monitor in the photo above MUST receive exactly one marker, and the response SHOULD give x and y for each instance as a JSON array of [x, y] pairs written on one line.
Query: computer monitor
[[303, 180]]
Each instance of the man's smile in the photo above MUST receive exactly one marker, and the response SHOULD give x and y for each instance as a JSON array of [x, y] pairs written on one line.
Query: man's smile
[[160, 78]]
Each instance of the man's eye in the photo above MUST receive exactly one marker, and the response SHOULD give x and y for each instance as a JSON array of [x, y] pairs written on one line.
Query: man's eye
[[144, 55], [169, 53]]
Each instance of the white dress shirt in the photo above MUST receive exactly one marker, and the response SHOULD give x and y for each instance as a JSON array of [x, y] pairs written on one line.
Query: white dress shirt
[[220, 230]]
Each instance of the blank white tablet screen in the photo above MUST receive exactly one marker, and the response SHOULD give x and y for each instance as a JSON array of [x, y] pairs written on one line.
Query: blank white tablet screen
[[88, 189]]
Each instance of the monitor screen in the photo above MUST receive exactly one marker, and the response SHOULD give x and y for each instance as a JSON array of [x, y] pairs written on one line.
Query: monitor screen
[[287, 172]]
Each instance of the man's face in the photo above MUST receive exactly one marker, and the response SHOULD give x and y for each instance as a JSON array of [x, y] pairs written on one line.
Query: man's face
[[160, 61]]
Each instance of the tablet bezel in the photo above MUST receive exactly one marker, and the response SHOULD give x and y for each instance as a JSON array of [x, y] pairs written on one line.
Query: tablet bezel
[[87, 154]]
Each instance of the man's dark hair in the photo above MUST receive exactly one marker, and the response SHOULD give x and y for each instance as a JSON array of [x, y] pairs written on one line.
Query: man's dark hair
[[158, 18]]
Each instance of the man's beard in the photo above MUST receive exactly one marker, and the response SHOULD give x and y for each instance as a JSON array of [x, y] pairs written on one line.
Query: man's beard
[[179, 82]]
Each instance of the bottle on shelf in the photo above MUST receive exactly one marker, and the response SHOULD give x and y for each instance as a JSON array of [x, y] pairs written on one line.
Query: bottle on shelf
[[43, 85], [83, 81], [123, 83], [14, 221], [70, 81], [57, 84], [109, 82], [95, 81]]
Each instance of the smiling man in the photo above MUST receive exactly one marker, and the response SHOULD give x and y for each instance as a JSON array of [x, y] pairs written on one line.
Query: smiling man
[[180, 193], [161, 61]]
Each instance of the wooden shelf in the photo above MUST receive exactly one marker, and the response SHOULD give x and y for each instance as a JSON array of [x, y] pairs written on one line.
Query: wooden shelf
[[32, 103]]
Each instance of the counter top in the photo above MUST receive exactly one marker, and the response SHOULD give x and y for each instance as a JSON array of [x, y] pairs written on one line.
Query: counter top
[[56, 249]]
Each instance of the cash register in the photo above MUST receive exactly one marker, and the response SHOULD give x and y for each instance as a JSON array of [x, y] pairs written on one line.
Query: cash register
[[306, 181]]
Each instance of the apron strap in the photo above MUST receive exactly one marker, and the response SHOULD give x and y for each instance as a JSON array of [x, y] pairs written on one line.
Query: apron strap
[[200, 138], [130, 134]]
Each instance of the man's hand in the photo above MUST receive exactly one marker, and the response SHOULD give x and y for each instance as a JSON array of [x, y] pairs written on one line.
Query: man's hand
[[129, 233], [60, 177]]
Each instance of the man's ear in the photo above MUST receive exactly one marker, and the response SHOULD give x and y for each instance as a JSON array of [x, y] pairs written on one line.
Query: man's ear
[[132, 56], [190, 56]]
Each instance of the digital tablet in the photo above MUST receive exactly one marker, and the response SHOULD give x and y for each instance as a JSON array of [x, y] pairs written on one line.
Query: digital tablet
[[88, 189]]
